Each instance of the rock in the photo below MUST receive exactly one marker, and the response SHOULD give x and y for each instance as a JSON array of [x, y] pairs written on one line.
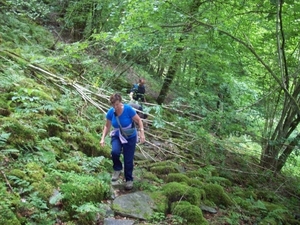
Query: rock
[[208, 209], [112, 221], [135, 205]]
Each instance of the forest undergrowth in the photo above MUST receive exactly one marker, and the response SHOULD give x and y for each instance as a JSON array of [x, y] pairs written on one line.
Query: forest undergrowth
[[53, 170]]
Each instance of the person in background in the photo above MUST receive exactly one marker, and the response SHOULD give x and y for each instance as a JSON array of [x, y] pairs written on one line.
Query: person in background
[[138, 91], [121, 140], [139, 109]]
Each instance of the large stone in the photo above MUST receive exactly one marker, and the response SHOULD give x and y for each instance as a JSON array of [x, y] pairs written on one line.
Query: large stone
[[112, 221], [135, 205]]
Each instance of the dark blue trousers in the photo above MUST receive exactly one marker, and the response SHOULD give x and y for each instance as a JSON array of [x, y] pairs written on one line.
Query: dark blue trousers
[[128, 150]]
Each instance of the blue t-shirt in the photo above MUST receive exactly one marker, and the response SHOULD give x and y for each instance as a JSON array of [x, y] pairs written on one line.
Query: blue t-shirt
[[125, 118]]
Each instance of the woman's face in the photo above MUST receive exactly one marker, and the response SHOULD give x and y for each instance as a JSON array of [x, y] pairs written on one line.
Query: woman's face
[[117, 105]]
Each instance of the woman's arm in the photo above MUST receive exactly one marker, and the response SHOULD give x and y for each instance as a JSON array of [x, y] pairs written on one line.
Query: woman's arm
[[105, 132]]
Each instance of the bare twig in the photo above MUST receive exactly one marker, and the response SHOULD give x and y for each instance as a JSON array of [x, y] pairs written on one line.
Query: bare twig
[[7, 182]]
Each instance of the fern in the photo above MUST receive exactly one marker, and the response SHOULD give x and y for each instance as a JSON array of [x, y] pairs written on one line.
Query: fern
[[10, 75], [22, 186], [28, 148], [89, 212], [3, 138], [278, 214], [94, 164], [259, 206]]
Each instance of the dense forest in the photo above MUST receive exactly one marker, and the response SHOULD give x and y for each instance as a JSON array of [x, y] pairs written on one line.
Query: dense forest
[[223, 105]]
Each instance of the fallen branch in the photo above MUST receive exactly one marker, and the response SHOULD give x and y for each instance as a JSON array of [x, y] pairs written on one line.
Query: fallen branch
[[7, 182]]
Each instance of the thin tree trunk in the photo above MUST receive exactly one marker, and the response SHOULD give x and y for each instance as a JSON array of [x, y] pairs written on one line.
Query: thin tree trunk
[[169, 78], [175, 64], [280, 145]]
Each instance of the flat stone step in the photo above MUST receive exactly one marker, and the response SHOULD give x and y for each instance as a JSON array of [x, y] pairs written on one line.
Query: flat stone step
[[112, 221]]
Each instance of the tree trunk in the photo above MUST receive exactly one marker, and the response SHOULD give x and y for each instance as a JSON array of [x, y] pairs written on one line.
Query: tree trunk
[[169, 78], [175, 64], [281, 144]]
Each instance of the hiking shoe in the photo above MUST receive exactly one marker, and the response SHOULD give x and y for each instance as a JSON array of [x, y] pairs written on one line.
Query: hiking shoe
[[116, 175], [129, 185]]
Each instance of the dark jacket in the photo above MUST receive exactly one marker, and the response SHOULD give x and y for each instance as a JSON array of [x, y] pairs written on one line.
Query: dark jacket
[[138, 92]]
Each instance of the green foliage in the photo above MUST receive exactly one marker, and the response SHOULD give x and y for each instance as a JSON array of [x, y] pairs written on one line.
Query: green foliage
[[233, 218], [96, 164], [33, 9], [53, 125], [17, 30], [3, 139], [158, 121], [157, 217], [89, 213], [4, 107], [30, 100], [160, 218], [35, 210], [20, 134], [7, 214], [90, 17]]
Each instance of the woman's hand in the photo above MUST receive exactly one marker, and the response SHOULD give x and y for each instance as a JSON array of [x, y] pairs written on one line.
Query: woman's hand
[[102, 143], [142, 136], [105, 131]]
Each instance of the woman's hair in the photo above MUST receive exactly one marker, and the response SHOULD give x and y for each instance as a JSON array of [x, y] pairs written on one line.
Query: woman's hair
[[142, 80], [115, 97]]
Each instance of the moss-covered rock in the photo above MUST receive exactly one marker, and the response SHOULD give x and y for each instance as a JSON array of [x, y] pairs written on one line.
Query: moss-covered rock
[[215, 193], [44, 189], [78, 190], [88, 144], [160, 200], [175, 191], [205, 173], [219, 180], [195, 182], [163, 170], [191, 213], [69, 167], [177, 177], [35, 172], [18, 173], [150, 176], [195, 174]]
